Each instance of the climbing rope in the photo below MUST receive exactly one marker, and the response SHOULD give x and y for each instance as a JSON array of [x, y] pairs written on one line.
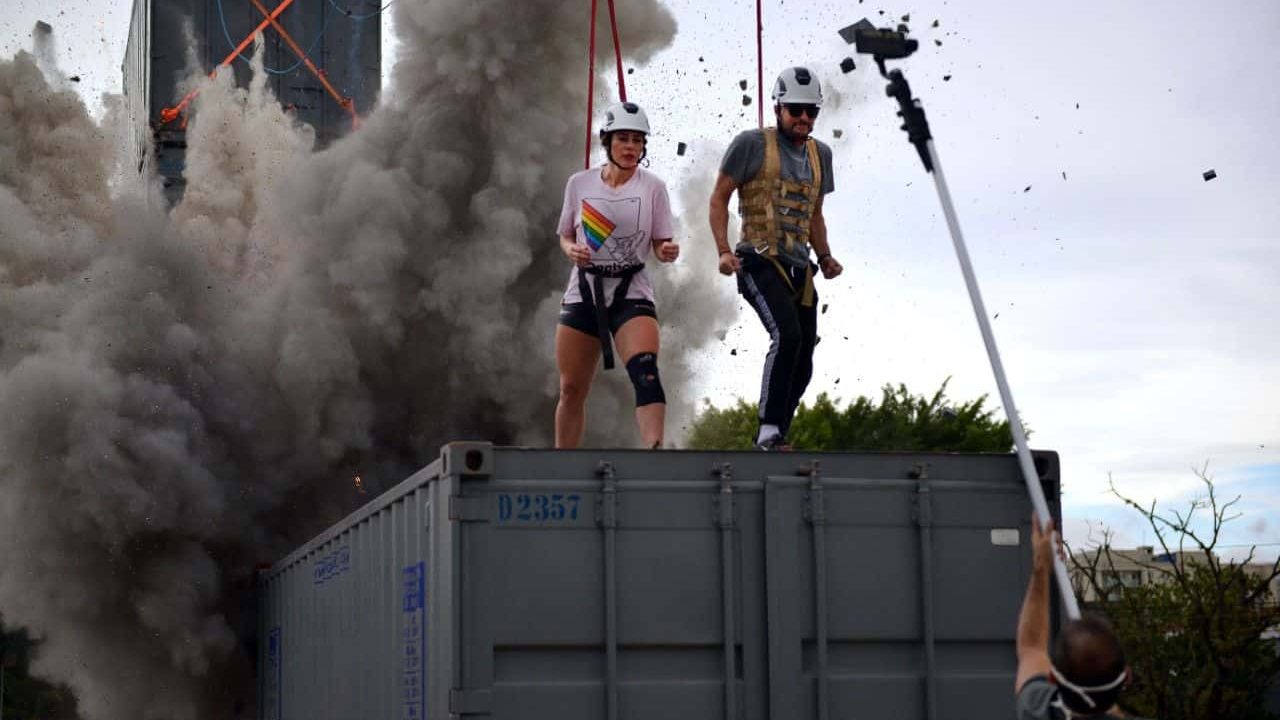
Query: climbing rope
[[591, 71], [759, 64]]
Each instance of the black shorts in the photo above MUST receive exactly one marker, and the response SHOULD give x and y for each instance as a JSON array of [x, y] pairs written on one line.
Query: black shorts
[[580, 316]]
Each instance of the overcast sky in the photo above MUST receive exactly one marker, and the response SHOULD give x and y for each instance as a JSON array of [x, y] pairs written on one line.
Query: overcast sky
[[1136, 302]]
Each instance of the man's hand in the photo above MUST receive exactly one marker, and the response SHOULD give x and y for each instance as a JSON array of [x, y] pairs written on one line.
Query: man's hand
[[831, 268], [729, 263], [1042, 544], [668, 251]]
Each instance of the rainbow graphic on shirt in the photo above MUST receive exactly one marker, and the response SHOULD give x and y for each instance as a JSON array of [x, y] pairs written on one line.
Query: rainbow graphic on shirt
[[595, 226]]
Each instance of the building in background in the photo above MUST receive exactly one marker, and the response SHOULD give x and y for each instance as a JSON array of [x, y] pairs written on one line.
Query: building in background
[[171, 40], [1121, 569]]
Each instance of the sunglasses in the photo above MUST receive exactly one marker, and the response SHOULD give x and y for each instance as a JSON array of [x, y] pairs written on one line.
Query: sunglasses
[[798, 110]]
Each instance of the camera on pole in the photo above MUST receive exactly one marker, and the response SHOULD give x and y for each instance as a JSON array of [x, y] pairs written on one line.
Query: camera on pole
[[885, 44]]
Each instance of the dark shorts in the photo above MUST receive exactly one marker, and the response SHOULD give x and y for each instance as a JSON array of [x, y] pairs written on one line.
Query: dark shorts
[[582, 317]]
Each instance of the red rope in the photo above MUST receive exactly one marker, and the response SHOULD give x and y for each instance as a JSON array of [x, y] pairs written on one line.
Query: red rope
[[591, 81], [759, 65], [617, 51]]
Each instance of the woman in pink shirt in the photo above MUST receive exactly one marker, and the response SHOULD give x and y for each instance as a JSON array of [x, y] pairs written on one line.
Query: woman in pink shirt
[[613, 218]]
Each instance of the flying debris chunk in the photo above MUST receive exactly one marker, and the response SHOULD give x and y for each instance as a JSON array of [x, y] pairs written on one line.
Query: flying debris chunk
[[631, 71], [746, 100], [74, 78], [1064, 174], [1210, 174], [906, 18], [935, 23], [824, 308], [680, 148], [847, 66], [43, 28], [700, 59], [946, 78], [742, 84], [733, 351], [837, 132], [937, 42], [1026, 189]]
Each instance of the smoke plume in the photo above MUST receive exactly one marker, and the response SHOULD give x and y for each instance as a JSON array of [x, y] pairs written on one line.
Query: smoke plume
[[188, 393]]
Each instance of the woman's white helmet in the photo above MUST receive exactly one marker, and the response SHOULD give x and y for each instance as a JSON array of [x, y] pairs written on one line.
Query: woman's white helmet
[[624, 116], [796, 85]]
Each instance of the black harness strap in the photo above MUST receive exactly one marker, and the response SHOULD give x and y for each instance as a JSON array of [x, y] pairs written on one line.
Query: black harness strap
[[592, 292]]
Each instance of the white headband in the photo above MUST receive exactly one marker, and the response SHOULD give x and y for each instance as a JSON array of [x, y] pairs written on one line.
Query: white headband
[[1083, 691]]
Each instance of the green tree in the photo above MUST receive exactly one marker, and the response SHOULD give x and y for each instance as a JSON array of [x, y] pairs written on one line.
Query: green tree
[[27, 697], [899, 421], [1194, 633]]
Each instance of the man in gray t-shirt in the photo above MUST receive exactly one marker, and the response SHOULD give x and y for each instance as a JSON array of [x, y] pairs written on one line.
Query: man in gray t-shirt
[[1085, 672], [781, 175]]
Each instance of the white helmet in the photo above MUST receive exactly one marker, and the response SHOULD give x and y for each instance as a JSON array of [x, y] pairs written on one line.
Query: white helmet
[[624, 116], [798, 86]]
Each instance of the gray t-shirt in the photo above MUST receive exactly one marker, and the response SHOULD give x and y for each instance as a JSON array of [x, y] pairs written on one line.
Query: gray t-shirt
[[1035, 701], [745, 156]]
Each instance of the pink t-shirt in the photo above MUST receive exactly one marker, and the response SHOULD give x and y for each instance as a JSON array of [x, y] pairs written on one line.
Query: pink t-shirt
[[618, 224]]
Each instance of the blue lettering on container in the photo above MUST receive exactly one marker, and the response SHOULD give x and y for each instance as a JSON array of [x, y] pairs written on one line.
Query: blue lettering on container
[[331, 566], [538, 508], [413, 655], [274, 700]]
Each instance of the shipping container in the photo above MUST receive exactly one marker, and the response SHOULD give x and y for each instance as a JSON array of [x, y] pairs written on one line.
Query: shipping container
[[170, 40], [512, 583]]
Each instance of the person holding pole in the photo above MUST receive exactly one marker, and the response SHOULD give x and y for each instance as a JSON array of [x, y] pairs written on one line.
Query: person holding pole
[[1083, 674], [781, 175]]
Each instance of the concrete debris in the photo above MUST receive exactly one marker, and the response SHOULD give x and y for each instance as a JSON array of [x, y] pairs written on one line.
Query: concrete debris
[[742, 84], [837, 132], [946, 78], [1210, 174], [847, 66], [746, 100], [680, 148]]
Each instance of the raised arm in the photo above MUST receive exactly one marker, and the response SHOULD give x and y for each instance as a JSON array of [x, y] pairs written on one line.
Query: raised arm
[[1033, 621]]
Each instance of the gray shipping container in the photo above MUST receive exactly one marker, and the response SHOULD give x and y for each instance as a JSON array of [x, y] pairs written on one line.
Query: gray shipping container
[[169, 39], [514, 583]]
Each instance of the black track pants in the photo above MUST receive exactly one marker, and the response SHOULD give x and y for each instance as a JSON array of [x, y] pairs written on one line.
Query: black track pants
[[793, 332]]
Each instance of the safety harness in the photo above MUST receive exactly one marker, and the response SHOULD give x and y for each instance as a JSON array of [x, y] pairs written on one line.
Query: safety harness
[[769, 201], [593, 295]]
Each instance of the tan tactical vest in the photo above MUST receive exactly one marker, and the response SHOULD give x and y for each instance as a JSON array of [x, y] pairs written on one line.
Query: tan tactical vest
[[760, 200]]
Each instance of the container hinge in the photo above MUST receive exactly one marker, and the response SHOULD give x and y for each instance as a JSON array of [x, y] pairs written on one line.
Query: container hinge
[[923, 506], [722, 506], [468, 509], [607, 502], [470, 702], [815, 506]]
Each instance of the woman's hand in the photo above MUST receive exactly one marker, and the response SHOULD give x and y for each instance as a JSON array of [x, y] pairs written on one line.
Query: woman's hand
[[668, 251], [577, 253]]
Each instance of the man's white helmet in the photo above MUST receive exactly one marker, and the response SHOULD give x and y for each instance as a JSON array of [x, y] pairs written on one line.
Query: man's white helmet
[[625, 116], [796, 85]]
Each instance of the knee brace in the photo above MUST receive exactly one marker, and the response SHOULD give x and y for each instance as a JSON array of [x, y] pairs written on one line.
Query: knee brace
[[643, 369]]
